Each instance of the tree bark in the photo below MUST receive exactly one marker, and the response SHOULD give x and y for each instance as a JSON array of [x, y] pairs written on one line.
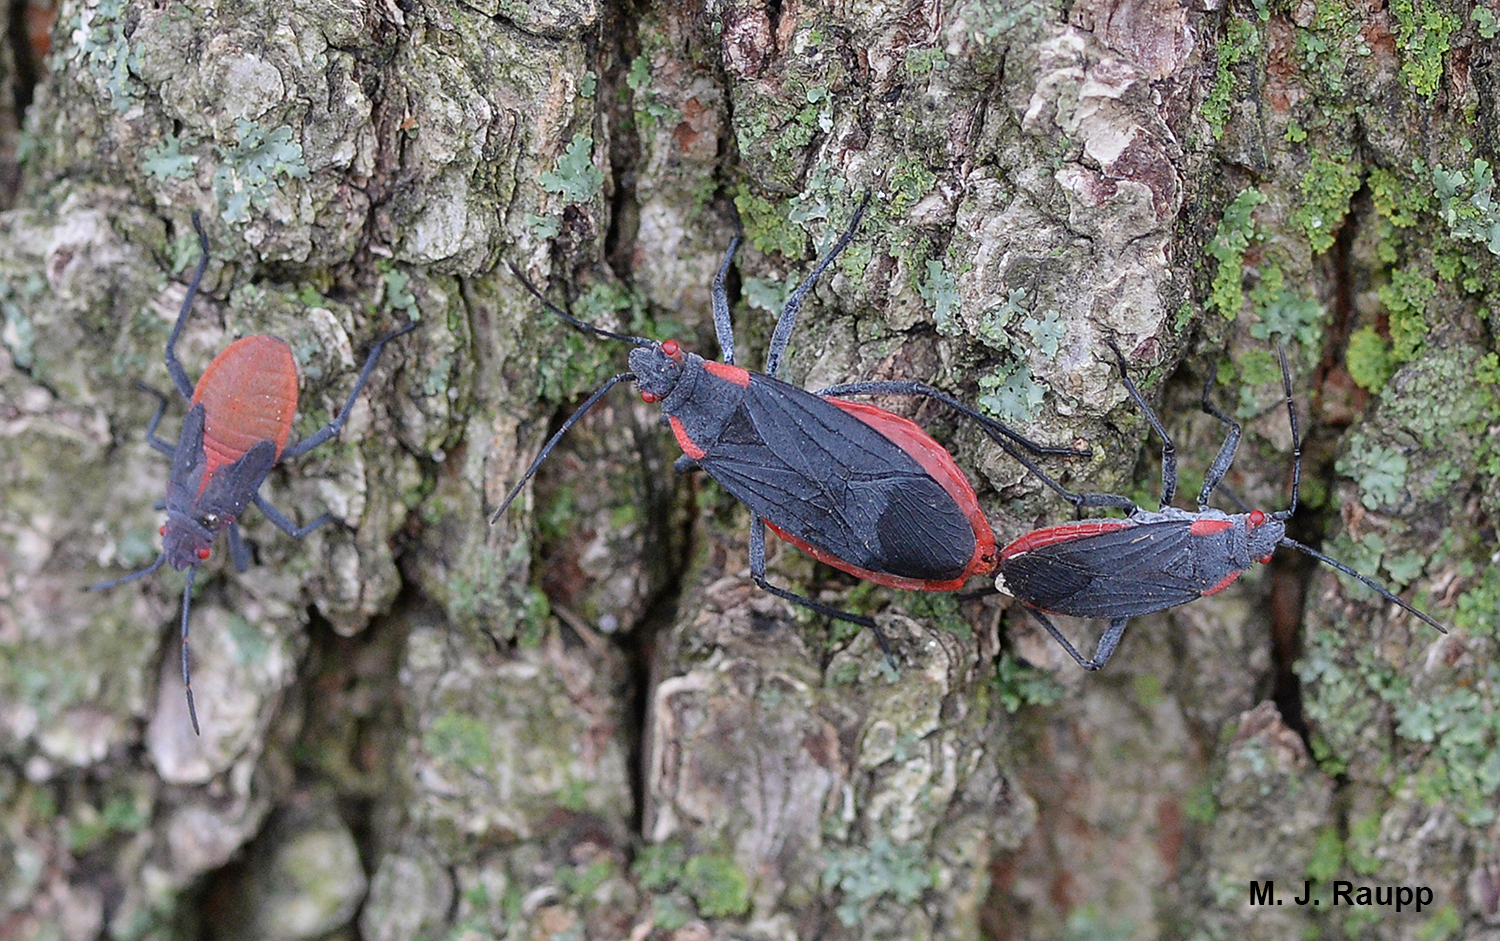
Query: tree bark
[[585, 721]]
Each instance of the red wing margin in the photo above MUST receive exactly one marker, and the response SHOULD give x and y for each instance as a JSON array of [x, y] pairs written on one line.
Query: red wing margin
[[792, 456], [1133, 570]]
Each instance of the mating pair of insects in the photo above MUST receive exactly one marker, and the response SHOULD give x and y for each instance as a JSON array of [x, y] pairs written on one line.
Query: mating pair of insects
[[853, 485], [869, 492]]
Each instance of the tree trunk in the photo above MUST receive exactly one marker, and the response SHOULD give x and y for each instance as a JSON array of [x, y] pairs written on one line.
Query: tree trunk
[[586, 721]]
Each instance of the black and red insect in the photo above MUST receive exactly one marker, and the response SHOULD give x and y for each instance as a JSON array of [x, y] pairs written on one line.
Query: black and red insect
[[853, 485], [1117, 569], [239, 418]]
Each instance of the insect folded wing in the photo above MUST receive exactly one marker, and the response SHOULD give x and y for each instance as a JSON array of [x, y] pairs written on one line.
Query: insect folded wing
[[188, 464], [1119, 573], [231, 488]]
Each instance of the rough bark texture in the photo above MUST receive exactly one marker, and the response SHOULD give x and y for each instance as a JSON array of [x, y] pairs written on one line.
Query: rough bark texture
[[586, 721]]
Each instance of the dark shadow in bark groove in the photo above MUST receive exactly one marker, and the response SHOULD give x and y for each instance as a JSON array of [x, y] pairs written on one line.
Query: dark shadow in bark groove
[[673, 531], [27, 26], [624, 137], [639, 647], [346, 747], [1290, 573]]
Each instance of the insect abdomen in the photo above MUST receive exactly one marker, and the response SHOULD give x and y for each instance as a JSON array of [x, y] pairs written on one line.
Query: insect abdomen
[[249, 394]]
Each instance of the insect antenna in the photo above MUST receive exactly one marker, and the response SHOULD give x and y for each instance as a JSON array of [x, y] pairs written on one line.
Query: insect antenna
[[187, 676], [1291, 414], [585, 327], [552, 443], [132, 576], [1365, 580]]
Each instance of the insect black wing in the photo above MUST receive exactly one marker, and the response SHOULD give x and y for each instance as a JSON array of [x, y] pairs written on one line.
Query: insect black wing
[[233, 486], [1129, 571], [825, 477], [188, 463]]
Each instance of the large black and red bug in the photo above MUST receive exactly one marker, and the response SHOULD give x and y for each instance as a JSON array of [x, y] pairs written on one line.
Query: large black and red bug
[[239, 418], [1117, 569], [853, 485]]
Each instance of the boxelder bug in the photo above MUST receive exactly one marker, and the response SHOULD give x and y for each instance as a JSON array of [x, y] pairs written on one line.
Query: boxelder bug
[[235, 431], [1150, 561], [855, 486]]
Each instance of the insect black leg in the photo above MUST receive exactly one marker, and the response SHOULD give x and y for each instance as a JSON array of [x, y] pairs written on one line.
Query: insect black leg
[[283, 523], [179, 375], [1291, 412], [158, 444], [684, 465], [911, 388], [758, 572], [1107, 643], [337, 425], [238, 551], [187, 674], [1214, 476], [100, 586], [1168, 449], [998, 433], [1291, 415], [722, 326], [788, 319]]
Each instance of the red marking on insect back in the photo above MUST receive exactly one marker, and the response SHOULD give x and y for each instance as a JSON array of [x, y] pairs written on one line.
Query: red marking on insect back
[[937, 462], [1043, 538], [249, 395], [688, 445], [1223, 584], [1209, 527], [1256, 518], [648, 397], [734, 374]]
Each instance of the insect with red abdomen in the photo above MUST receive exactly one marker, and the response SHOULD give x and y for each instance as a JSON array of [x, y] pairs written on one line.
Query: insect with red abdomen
[[239, 418], [1117, 569], [853, 485]]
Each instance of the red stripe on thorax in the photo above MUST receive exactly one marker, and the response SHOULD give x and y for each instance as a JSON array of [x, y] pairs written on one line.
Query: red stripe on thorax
[[727, 372], [1043, 538], [1225, 583], [688, 445], [1209, 527]]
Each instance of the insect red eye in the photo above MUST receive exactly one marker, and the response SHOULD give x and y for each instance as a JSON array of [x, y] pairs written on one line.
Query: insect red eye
[[1265, 560], [648, 397], [203, 553], [1257, 517], [163, 530], [671, 348]]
